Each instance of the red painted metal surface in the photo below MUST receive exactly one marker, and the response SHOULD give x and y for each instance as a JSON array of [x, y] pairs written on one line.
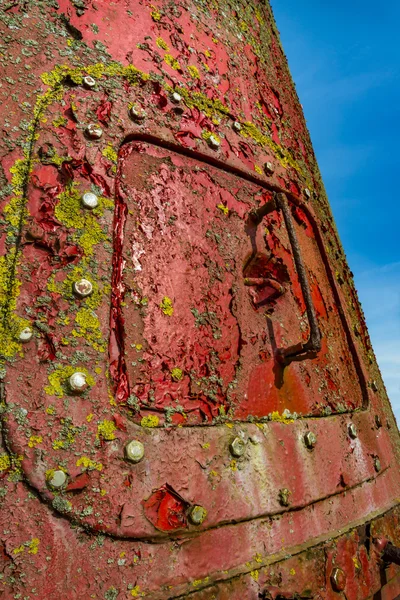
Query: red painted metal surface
[[190, 403]]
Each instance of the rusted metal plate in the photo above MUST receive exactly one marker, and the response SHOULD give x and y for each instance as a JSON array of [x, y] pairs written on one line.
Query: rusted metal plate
[[165, 240]]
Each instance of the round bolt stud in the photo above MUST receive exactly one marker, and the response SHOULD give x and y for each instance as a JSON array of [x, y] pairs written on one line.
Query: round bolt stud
[[82, 288], [352, 431], [377, 464], [136, 114], [310, 440], [213, 142], [237, 126], [90, 200], [374, 386], [57, 479], [197, 514], [77, 382], [176, 98], [89, 82], [134, 451], [307, 193], [269, 168], [237, 447], [338, 580], [26, 335], [94, 131]]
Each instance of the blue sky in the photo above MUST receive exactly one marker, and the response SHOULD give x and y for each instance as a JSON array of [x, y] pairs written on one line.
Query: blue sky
[[344, 58]]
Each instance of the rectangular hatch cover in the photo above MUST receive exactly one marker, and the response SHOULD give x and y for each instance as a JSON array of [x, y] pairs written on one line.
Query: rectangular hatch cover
[[209, 295]]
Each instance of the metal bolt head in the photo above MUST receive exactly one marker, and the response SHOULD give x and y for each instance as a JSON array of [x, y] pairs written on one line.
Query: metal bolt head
[[57, 479], [237, 447], [213, 142], [284, 494], [377, 464], [374, 386], [307, 193], [237, 126], [176, 98], [136, 114], [89, 82], [134, 451], [269, 168], [310, 440], [338, 580], [77, 382], [82, 288], [26, 335], [89, 200], [94, 131], [197, 514], [352, 431]]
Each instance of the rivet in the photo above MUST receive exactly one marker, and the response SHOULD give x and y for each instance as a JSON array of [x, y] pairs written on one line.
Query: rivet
[[307, 193], [26, 335], [338, 580], [90, 200], [237, 447], [352, 431], [134, 451], [378, 421], [57, 480], [89, 82], [284, 494], [77, 382], [237, 126], [374, 386], [94, 131], [310, 439], [269, 168], [137, 115], [175, 97], [377, 464], [213, 142], [82, 288], [197, 514]]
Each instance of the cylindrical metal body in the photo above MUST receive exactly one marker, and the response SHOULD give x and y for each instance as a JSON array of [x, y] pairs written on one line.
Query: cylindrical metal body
[[190, 402]]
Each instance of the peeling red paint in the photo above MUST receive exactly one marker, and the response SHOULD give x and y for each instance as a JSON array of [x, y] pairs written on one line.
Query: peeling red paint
[[178, 341]]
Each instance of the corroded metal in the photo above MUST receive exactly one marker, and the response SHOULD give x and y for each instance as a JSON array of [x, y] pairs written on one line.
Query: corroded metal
[[169, 254]]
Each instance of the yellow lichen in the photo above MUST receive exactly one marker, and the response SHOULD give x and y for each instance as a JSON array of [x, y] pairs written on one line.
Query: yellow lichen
[[258, 169], [33, 546], [176, 374], [150, 421], [167, 306], [88, 327], [110, 153], [162, 43], [34, 440], [5, 462], [106, 430], [50, 410], [255, 574], [275, 416], [89, 464], [194, 72], [223, 208], [172, 62]]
